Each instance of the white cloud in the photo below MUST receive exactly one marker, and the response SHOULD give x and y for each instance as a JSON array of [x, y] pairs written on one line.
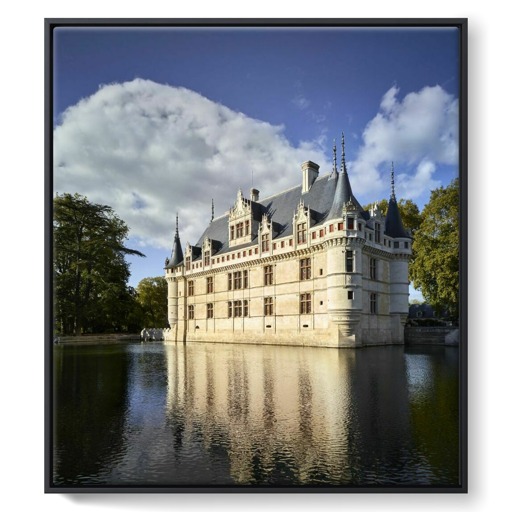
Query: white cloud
[[149, 150], [417, 134]]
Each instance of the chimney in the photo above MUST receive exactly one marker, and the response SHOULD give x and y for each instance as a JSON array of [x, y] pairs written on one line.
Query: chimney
[[255, 195], [309, 175]]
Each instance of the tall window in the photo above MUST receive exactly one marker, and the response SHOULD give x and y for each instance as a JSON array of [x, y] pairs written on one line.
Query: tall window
[[265, 243], [301, 233], [187, 263], [268, 306], [305, 303], [373, 303], [373, 268], [377, 233], [209, 285], [230, 281], [238, 308], [246, 279], [237, 280], [246, 227], [246, 308], [350, 223], [349, 261], [209, 310], [231, 232], [230, 309], [305, 269], [239, 229], [268, 275], [206, 258], [191, 312], [190, 288]]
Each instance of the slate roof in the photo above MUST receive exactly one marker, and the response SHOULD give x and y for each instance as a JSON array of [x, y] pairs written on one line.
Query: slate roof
[[177, 253], [393, 225], [281, 208]]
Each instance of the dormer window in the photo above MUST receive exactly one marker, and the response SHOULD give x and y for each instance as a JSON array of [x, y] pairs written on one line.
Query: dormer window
[[187, 263], [265, 242], [350, 223], [240, 221], [301, 233], [206, 258]]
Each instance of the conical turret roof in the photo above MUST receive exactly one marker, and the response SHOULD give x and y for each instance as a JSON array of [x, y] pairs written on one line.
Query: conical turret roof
[[393, 224], [343, 193], [177, 252]]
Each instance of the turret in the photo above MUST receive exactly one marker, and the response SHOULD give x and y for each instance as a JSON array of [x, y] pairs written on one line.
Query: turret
[[171, 277]]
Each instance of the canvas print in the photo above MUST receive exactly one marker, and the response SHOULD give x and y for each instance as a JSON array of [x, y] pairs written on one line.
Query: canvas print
[[256, 255]]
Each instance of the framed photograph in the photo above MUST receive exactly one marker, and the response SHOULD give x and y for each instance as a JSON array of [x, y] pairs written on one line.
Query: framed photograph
[[256, 255]]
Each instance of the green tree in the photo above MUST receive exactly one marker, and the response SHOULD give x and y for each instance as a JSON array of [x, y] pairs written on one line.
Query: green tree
[[152, 297], [435, 269], [90, 273]]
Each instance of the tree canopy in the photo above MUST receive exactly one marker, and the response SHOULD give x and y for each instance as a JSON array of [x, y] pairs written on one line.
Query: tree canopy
[[91, 291], [435, 268], [409, 212], [152, 297]]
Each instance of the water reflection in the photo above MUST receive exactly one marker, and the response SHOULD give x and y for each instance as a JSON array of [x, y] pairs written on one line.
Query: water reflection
[[203, 414]]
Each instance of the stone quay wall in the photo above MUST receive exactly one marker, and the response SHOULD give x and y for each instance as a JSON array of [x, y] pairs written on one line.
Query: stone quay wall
[[432, 335]]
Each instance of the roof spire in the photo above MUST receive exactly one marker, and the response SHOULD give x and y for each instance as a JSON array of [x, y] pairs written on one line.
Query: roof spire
[[334, 160], [177, 234], [213, 211], [177, 253], [343, 166], [393, 181]]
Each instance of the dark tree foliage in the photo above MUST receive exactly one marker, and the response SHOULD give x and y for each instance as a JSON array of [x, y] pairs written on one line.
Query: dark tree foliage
[[91, 291], [152, 297], [435, 269]]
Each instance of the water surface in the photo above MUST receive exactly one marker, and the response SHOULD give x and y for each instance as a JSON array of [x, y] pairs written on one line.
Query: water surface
[[221, 414]]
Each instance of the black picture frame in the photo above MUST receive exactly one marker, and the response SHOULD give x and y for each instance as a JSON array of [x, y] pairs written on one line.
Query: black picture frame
[[462, 25]]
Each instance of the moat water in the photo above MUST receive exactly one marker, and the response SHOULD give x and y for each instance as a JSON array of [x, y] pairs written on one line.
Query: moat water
[[217, 415]]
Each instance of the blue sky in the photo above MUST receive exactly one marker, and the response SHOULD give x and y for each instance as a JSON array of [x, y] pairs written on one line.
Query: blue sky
[[154, 121]]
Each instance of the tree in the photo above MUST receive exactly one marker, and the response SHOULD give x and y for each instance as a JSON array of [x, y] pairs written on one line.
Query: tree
[[152, 297], [435, 269], [90, 272]]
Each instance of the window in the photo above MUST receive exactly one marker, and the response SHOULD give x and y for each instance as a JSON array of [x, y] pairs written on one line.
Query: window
[[396, 245], [230, 309], [406, 245], [246, 279], [313, 235], [209, 285], [268, 275], [359, 226], [349, 261], [282, 244], [209, 310], [350, 223], [190, 288], [331, 228], [373, 268], [240, 308], [239, 229], [321, 233], [350, 295], [377, 233], [244, 254], [290, 243], [230, 281], [274, 246], [250, 252], [246, 227], [237, 280], [268, 306], [187, 263], [340, 226], [305, 303], [191, 312], [373, 303], [305, 269], [206, 258], [301, 233], [231, 232], [256, 251], [321, 272], [265, 245]]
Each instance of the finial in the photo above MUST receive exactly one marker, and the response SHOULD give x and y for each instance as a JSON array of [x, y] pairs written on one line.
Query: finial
[[393, 181], [213, 210], [176, 223], [343, 167], [334, 160]]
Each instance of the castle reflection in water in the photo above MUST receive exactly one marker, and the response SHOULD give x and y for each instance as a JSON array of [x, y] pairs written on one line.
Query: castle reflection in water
[[219, 414]]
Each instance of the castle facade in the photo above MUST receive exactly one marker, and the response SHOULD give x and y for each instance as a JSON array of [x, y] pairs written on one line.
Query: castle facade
[[307, 266]]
